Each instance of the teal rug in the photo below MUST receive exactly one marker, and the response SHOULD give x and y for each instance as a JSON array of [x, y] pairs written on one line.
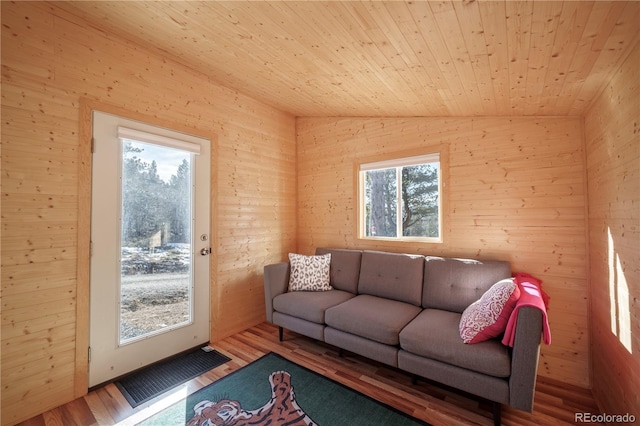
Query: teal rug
[[262, 393]]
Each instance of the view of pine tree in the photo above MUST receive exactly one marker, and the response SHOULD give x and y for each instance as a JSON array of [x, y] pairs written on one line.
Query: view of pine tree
[[420, 201], [150, 206], [382, 193], [419, 193], [181, 215]]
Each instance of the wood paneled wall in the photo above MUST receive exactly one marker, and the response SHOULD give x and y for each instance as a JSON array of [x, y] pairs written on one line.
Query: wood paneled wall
[[50, 61], [612, 130], [515, 191]]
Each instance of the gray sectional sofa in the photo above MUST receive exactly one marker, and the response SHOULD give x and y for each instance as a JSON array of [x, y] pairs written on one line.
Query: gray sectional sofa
[[404, 311]]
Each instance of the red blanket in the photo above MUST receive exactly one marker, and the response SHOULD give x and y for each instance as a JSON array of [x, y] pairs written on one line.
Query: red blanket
[[531, 294]]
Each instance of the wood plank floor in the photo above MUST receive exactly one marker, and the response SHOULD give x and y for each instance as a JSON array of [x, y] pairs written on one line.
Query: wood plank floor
[[555, 403]]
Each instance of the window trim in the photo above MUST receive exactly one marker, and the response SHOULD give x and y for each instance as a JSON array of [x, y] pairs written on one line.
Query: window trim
[[157, 139], [425, 155], [400, 162]]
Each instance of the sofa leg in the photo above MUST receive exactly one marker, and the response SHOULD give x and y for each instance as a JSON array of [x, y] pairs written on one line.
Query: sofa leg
[[414, 379], [280, 333], [496, 413], [340, 352]]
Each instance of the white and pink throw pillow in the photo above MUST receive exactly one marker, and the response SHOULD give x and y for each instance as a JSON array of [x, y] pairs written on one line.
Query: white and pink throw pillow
[[487, 317]]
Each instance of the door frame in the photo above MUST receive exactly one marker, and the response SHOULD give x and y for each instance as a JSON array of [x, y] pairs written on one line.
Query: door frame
[[81, 368]]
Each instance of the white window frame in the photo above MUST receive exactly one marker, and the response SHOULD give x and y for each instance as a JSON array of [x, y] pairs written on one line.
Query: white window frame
[[398, 163]]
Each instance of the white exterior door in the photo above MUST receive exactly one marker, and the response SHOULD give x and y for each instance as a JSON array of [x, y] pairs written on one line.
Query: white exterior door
[[150, 244]]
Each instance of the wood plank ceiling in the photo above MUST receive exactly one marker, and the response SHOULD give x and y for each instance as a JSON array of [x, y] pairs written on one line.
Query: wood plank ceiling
[[445, 58]]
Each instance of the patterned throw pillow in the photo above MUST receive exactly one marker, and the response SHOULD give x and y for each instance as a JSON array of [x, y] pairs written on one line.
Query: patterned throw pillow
[[487, 317], [309, 273]]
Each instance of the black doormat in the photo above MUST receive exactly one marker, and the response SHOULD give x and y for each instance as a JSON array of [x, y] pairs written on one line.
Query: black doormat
[[151, 381]]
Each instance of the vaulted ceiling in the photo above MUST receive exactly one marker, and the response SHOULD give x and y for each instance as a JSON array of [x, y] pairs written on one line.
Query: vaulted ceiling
[[420, 58]]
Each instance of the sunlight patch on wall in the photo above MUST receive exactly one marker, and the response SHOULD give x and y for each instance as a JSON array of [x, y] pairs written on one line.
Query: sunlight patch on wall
[[619, 297]]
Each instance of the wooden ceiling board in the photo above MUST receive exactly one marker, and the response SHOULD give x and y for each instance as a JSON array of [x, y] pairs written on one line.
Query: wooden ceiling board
[[421, 58], [610, 46], [545, 21]]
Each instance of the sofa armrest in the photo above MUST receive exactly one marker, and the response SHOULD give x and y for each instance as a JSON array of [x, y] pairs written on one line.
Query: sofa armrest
[[524, 358], [276, 281]]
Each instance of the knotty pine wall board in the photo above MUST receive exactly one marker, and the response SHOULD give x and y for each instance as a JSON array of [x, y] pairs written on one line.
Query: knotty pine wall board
[[612, 129], [515, 191], [52, 64]]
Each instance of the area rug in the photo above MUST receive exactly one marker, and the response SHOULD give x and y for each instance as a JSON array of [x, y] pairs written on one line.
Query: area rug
[[262, 393], [151, 381]]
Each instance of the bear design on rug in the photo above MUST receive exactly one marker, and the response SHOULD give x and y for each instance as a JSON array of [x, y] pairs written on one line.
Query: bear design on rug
[[282, 408]]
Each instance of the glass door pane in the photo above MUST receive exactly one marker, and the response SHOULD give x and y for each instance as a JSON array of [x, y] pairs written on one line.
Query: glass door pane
[[156, 240]]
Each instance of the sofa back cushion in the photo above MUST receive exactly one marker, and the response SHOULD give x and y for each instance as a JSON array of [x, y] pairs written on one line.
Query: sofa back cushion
[[453, 284], [392, 276], [345, 268]]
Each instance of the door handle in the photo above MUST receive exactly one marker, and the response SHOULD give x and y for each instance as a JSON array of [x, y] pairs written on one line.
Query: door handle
[[205, 251]]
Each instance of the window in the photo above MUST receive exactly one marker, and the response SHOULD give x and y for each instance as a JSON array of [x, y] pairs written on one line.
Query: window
[[400, 199]]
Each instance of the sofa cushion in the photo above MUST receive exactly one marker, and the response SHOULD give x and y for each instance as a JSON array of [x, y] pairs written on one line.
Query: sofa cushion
[[345, 268], [487, 317], [309, 273], [434, 334], [392, 276], [309, 305], [372, 317], [453, 284]]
